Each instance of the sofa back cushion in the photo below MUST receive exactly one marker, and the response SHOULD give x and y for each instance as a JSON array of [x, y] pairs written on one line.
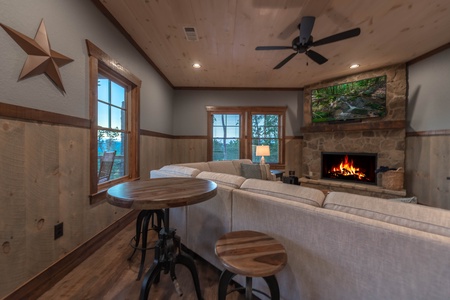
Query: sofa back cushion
[[424, 218], [232, 181], [202, 166], [176, 171], [232, 167], [291, 192]]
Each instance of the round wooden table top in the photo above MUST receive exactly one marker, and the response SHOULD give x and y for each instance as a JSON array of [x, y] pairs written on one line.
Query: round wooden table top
[[159, 193], [251, 253]]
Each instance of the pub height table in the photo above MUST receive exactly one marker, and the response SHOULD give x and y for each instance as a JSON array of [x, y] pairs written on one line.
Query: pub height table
[[162, 194]]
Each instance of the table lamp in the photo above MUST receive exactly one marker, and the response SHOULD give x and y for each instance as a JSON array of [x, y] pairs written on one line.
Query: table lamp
[[262, 151]]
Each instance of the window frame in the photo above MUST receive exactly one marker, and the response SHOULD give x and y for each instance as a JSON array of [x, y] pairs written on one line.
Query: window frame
[[224, 111], [100, 62], [127, 87], [281, 113], [246, 113]]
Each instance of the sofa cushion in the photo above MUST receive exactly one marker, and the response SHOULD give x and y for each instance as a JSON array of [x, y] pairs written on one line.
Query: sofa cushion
[[178, 171], [233, 181], [238, 162], [253, 171], [285, 191], [424, 218], [223, 166], [202, 166]]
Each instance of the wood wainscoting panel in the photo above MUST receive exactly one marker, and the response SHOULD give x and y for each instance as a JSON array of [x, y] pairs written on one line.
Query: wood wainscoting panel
[[156, 152], [42, 205], [44, 181], [189, 149], [13, 205], [46, 279], [427, 169]]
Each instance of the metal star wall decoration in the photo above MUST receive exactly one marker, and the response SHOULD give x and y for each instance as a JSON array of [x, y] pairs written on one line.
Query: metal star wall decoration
[[41, 58]]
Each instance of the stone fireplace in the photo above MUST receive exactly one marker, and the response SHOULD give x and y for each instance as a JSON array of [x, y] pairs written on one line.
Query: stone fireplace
[[349, 167], [384, 137]]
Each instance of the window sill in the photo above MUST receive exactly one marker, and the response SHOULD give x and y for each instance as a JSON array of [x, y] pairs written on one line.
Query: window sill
[[100, 195], [97, 197]]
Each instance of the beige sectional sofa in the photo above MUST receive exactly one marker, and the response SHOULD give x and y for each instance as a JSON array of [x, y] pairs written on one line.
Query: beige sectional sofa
[[240, 167], [339, 246]]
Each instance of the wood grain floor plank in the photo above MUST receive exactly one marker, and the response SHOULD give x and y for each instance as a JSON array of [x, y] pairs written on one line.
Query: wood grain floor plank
[[107, 274]]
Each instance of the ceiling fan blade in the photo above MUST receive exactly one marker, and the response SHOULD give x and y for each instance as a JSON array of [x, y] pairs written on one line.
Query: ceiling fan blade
[[316, 57], [306, 27], [284, 61], [273, 47], [338, 37]]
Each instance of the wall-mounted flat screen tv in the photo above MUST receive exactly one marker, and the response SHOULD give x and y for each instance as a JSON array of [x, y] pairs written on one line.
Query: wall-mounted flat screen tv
[[349, 101]]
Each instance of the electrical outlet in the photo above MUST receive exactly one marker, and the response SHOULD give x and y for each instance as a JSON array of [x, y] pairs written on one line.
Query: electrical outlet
[[59, 230]]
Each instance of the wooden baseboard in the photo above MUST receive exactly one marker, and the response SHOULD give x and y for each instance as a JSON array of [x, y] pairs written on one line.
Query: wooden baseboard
[[43, 281]]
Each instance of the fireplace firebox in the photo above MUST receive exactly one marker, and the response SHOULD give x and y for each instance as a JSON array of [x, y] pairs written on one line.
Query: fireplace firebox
[[353, 167]]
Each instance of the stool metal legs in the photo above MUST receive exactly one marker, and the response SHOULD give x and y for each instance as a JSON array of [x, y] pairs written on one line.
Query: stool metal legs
[[226, 277], [142, 225], [167, 254]]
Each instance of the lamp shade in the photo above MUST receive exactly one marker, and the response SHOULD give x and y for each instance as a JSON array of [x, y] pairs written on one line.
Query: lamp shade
[[262, 150]]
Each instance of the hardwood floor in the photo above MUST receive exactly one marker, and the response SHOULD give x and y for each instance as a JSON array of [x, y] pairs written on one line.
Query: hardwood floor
[[107, 274]]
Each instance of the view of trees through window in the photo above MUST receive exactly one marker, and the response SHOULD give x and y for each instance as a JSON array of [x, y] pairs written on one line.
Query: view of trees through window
[[226, 136], [112, 135], [234, 133], [265, 131]]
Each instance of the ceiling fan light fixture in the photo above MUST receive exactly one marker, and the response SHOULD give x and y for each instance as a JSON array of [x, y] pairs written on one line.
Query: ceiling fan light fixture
[[196, 66], [354, 66]]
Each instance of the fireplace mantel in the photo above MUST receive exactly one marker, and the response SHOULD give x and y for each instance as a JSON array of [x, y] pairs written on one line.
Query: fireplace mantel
[[378, 125]]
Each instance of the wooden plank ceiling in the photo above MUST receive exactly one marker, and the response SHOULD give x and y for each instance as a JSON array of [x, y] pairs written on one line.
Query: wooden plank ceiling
[[392, 31]]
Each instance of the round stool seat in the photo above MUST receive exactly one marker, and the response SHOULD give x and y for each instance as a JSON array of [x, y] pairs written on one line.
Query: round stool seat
[[251, 254]]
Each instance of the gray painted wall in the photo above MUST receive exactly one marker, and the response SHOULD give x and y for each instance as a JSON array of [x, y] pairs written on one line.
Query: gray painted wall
[[429, 93], [182, 112], [190, 116], [69, 23]]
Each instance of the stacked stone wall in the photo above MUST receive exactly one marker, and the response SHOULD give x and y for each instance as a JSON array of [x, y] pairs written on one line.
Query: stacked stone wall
[[388, 143]]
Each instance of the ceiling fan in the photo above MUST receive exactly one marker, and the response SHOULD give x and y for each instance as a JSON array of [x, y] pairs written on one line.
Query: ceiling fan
[[304, 41]]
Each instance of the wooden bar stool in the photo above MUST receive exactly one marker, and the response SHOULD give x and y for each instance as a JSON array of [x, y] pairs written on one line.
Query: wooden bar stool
[[250, 254]]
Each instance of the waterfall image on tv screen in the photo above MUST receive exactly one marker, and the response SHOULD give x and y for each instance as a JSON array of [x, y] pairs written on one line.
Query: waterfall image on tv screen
[[349, 101]]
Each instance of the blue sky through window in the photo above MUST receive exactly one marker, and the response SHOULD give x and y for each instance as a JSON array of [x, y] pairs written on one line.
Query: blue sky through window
[[114, 94]]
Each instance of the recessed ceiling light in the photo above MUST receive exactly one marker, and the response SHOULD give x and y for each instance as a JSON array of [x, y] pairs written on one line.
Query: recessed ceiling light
[[354, 66], [196, 66]]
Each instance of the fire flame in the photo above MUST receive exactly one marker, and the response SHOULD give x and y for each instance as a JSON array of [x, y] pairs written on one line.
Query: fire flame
[[346, 168]]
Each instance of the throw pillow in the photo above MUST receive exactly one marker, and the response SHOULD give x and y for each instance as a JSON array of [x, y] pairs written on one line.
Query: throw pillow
[[251, 171]]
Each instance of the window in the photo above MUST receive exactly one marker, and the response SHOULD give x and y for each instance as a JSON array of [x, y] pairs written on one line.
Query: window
[[266, 130], [234, 132], [226, 136], [112, 135], [114, 114]]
